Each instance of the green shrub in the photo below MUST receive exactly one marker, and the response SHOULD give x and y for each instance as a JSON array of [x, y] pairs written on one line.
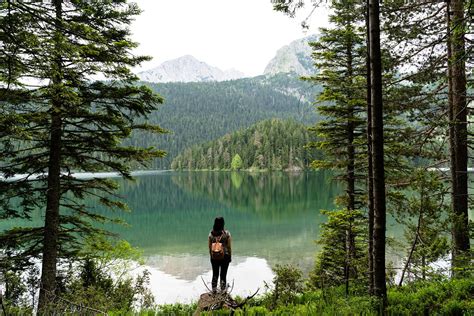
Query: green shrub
[[288, 284], [453, 307], [254, 311], [176, 309], [453, 297], [96, 288], [449, 297]]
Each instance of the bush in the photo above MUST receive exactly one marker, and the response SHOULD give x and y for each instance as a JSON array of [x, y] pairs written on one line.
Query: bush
[[453, 297], [176, 309], [449, 297], [99, 290], [288, 284]]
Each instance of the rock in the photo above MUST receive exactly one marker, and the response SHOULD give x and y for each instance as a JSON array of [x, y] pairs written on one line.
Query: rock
[[293, 58], [188, 69]]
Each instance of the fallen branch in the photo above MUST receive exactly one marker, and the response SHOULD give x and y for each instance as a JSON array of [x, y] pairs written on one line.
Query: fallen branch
[[247, 299], [205, 284]]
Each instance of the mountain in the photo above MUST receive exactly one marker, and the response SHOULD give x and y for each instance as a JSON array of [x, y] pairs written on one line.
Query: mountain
[[295, 57], [198, 112], [188, 69], [200, 106]]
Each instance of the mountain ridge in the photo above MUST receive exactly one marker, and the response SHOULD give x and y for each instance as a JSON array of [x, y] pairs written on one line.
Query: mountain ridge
[[293, 58], [201, 109], [187, 68]]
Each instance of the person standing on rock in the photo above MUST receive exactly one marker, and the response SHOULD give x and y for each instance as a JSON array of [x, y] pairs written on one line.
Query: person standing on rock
[[220, 251]]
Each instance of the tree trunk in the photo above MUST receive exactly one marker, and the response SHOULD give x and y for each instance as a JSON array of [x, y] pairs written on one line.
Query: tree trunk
[[458, 136], [51, 226], [415, 241], [350, 176], [380, 289], [350, 138], [452, 143], [370, 177]]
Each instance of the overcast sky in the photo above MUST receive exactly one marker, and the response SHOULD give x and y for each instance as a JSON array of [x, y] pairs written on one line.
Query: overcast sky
[[242, 34]]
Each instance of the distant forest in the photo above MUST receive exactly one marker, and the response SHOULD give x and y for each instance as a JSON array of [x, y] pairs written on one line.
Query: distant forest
[[198, 112], [269, 145]]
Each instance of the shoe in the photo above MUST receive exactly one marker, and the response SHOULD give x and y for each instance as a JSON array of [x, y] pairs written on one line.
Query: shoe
[[223, 287]]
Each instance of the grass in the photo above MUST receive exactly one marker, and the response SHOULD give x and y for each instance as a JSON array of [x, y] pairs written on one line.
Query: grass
[[448, 297]]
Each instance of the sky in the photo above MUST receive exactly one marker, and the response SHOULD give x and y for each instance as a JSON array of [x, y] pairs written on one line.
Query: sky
[[243, 35]]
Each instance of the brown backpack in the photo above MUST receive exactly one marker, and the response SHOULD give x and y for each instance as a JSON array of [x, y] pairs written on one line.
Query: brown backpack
[[217, 249]]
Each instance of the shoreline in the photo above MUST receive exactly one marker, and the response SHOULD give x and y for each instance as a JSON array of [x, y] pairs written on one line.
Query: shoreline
[[84, 175], [137, 173]]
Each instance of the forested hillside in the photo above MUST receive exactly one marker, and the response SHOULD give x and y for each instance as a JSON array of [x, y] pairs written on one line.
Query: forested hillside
[[272, 144], [198, 112]]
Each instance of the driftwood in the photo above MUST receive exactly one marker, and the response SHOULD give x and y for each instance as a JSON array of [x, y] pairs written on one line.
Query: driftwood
[[211, 301]]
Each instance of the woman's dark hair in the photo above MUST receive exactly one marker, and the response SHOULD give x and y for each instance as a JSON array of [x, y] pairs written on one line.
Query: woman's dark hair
[[218, 224]]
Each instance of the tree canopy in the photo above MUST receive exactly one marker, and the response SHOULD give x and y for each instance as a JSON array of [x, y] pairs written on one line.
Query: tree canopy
[[57, 120]]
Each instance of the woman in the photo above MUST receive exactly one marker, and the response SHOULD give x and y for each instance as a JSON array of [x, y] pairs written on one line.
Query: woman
[[219, 235]]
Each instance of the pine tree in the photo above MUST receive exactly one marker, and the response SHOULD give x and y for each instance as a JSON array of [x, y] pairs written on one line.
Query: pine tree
[[406, 135], [457, 96], [376, 134], [377, 149], [332, 261], [339, 54], [236, 162], [58, 120], [435, 50]]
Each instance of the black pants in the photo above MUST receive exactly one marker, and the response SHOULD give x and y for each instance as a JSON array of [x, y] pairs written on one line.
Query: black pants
[[223, 265]]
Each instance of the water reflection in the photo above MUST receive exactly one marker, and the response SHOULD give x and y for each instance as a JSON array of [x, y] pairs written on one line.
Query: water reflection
[[274, 216], [246, 274]]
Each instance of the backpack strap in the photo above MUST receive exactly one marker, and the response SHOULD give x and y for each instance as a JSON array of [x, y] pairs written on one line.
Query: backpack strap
[[218, 238]]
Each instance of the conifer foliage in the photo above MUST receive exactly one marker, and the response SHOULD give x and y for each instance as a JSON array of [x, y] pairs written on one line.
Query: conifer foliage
[[339, 53], [56, 119], [417, 71], [269, 145]]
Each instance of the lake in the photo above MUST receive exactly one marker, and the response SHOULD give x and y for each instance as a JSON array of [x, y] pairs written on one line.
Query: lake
[[274, 219]]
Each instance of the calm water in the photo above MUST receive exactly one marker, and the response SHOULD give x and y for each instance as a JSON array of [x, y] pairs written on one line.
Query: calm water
[[273, 217]]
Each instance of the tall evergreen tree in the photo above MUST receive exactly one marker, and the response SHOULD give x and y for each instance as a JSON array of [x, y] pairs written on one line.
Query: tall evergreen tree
[[430, 47], [415, 90], [457, 93], [370, 169], [339, 55], [377, 137], [57, 120], [376, 134]]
